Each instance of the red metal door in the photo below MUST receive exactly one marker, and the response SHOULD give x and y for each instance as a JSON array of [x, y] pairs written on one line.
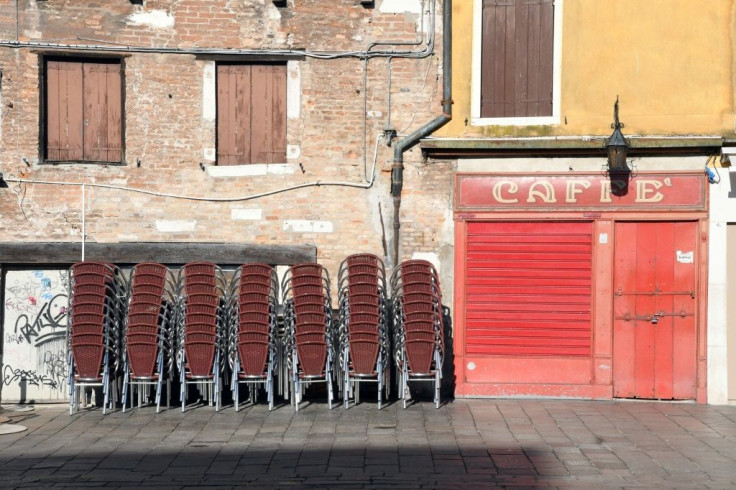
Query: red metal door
[[654, 337], [529, 289]]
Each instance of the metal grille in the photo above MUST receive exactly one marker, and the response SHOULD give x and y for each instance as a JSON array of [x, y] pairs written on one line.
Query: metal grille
[[529, 289]]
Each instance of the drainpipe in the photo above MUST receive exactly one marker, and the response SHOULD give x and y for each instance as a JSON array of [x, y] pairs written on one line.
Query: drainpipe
[[397, 169]]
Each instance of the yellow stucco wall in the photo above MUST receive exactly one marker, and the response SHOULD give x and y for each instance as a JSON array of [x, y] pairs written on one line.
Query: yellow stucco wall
[[669, 61]]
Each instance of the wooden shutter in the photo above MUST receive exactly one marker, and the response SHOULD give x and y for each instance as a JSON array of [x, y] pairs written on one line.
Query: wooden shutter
[[528, 289], [83, 111], [268, 123], [233, 114], [251, 114], [102, 112], [517, 58], [64, 111]]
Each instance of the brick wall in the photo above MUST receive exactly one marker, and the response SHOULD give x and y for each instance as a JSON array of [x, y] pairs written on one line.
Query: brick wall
[[170, 128]]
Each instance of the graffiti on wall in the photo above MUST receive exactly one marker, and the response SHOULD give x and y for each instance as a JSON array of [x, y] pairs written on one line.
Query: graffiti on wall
[[35, 327]]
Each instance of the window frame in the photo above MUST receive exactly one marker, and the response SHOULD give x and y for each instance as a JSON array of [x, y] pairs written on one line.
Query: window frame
[[285, 105], [475, 118], [43, 60]]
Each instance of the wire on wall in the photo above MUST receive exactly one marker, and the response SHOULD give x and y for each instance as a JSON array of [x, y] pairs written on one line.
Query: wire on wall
[[318, 183]]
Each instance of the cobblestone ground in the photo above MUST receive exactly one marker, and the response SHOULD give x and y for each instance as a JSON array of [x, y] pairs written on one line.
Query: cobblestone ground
[[482, 443]]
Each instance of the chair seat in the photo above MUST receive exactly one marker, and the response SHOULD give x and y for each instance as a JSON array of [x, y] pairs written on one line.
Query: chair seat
[[154, 377]]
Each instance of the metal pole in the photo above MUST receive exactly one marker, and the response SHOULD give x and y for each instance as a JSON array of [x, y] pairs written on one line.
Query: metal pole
[[84, 221]]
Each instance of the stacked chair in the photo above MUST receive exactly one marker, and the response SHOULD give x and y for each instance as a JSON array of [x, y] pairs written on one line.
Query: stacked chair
[[94, 343], [363, 331], [201, 328], [147, 337], [156, 324], [253, 337], [418, 323], [308, 332]]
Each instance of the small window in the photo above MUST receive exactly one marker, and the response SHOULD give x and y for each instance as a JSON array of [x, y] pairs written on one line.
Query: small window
[[251, 113], [516, 53], [83, 111]]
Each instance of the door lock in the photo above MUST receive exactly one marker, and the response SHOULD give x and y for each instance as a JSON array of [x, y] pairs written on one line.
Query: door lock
[[653, 318]]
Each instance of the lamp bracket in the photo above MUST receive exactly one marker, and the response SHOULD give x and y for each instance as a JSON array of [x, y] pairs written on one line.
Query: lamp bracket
[[616, 123]]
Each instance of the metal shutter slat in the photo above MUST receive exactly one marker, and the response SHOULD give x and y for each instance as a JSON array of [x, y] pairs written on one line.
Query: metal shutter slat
[[528, 289]]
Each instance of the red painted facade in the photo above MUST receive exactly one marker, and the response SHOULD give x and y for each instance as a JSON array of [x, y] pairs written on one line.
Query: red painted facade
[[545, 266]]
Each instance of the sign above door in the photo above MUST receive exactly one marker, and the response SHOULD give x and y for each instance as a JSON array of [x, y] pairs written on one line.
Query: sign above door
[[643, 191]]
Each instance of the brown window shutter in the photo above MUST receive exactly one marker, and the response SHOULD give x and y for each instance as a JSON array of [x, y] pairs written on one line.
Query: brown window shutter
[[233, 114], [64, 111], [268, 99], [113, 83], [102, 112], [83, 111], [517, 58], [225, 112], [279, 114], [251, 114]]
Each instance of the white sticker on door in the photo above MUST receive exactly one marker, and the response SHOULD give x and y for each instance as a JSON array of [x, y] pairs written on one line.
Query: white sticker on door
[[685, 257]]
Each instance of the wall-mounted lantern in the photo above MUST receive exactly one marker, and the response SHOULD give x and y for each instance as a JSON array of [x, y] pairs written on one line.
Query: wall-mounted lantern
[[617, 147]]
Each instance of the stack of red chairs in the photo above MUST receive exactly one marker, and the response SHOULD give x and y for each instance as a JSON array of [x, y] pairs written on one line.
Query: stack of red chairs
[[201, 337], [144, 339], [91, 328], [309, 327], [418, 321], [256, 330], [363, 334]]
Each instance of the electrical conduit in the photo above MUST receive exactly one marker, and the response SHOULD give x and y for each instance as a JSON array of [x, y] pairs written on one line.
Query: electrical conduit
[[397, 169]]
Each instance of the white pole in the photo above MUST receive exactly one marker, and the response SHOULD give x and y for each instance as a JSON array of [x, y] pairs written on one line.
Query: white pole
[[84, 223]]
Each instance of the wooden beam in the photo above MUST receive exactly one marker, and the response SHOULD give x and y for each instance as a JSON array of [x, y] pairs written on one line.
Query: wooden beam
[[66, 253]]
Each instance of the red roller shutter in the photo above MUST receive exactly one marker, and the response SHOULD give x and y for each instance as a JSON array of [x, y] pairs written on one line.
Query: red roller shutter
[[529, 289]]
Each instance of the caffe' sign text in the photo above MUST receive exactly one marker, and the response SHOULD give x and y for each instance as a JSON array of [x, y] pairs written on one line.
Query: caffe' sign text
[[576, 191]]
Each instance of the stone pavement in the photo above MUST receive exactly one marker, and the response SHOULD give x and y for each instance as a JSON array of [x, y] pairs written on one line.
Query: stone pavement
[[482, 443]]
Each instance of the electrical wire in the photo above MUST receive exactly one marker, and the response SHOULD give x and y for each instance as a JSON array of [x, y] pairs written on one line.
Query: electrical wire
[[426, 51], [712, 178], [365, 185], [421, 91], [317, 183]]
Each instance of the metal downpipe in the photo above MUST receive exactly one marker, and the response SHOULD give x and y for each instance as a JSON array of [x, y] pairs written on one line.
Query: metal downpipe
[[397, 169]]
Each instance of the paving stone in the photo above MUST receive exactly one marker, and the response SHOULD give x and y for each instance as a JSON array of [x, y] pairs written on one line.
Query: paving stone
[[468, 443]]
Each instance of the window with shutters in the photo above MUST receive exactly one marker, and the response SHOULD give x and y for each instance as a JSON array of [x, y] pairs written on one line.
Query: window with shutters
[[516, 59], [251, 113], [82, 111]]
